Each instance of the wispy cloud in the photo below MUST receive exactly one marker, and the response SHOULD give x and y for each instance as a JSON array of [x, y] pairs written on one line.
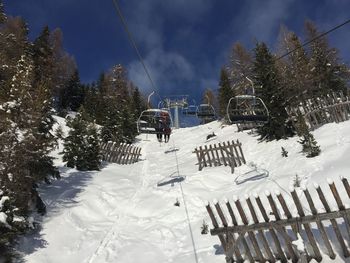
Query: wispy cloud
[[169, 69]]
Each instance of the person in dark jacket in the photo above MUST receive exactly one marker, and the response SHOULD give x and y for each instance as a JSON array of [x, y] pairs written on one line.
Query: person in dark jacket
[[159, 130], [167, 132]]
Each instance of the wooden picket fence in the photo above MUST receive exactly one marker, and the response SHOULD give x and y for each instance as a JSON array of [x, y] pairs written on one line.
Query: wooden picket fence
[[228, 154], [334, 107], [120, 153], [258, 238]]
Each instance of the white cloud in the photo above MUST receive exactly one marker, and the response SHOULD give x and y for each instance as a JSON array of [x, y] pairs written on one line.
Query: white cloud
[[167, 69], [261, 19]]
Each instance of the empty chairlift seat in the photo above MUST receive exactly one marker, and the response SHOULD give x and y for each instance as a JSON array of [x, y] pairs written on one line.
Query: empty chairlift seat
[[247, 109], [206, 111]]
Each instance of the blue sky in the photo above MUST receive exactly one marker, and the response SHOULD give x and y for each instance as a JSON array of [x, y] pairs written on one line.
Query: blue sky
[[184, 42]]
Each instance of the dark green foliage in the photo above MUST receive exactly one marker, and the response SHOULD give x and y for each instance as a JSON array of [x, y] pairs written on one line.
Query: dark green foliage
[[204, 228], [81, 146], [307, 140], [2, 13], [296, 181], [327, 73], [267, 77], [225, 92], [138, 102], [73, 94], [284, 152], [43, 60]]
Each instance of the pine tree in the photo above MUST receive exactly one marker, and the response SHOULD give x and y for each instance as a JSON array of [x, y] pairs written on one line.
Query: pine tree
[[64, 66], [73, 94], [284, 152], [81, 146], [240, 69], [225, 92], [43, 141], [138, 102], [266, 76], [328, 74], [310, 147], [295, 68], [3, 16]]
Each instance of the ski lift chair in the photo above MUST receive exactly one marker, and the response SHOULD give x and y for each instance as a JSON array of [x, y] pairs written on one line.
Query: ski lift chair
[[247, 109], [205, 111], [190, 110], [148, 121]]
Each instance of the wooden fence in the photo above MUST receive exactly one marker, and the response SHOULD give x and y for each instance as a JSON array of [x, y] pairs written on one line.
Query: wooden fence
[[319, 111], [120, 153], [228, 154], [258, 238]]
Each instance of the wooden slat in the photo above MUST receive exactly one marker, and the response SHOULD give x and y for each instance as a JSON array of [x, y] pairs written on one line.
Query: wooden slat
[[120, 154], [217, 155], [346, 185], [236, 153], [244, 242], [222, 154], [202, 156], [230, 240], [208, 155], [282, 230], [117, 150], [340, 205], [199, 159], [261, 234], [333, 222], [216, 225], [307, 227], [128, 154], [241, 151], [250, 234], [283, 222], [229, 159], [272, 232], [212, 155], [287, 213], [320, 225]]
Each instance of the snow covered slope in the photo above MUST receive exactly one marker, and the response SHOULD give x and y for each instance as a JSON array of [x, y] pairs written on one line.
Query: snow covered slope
[[126, 213]]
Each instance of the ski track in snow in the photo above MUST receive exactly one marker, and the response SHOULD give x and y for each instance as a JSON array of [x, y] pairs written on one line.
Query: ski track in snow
[[119, 214]]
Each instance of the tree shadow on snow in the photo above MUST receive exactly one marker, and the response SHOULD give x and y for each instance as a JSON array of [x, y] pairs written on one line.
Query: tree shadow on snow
[[59, 195]]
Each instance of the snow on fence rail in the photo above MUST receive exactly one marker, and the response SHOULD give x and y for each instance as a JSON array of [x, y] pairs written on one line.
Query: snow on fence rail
[[228, 154], [120, 153], [319, 111], [271, 240]]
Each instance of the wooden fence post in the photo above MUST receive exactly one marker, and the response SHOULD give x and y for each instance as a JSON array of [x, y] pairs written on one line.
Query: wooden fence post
[[319, 224], [307, 227], [268, 251], [250, 234], [333, 222], [282, 230]]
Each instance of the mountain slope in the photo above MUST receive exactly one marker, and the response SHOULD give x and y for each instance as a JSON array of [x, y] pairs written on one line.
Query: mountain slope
[[120, 214]]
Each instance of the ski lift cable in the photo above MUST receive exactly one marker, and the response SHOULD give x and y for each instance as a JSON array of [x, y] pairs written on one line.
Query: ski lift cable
[[309, 42], [185, 205], [133, 44]]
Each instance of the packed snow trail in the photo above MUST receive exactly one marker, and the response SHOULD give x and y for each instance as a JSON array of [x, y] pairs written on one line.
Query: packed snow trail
[[126, 213]]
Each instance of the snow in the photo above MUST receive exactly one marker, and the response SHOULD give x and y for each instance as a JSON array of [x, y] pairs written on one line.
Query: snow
[[3, 219], [119, 214], [3, 200], [299, 244]]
